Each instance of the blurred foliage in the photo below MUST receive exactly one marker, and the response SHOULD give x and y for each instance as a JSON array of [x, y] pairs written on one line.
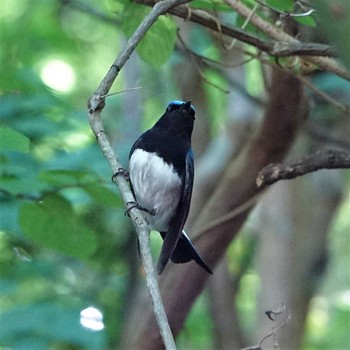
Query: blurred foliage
[[163, 32], [64, 239], [334, 22], [329, 317], [65, 244]]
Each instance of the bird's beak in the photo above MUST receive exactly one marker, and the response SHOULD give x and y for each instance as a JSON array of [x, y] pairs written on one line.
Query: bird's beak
[[187, 105]]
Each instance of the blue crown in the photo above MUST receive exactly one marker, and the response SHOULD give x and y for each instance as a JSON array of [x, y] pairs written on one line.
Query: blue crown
[[179, 103]]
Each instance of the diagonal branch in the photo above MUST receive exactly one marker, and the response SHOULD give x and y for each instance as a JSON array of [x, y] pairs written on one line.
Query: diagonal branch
[[277, 49], [282, 38], [95, 104]]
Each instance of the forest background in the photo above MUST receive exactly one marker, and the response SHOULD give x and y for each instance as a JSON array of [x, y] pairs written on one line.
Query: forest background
[[70, 274]]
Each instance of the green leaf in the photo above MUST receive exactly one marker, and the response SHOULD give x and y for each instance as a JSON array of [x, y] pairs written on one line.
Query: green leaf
[[64, 177], [159, 42], [306, 20], [12, 140], [281, 5], [287, 7], [103, 195], [20, 185], [53, 224]]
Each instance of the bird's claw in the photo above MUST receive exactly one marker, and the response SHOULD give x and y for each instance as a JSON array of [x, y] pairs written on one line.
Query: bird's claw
[[132, 206], [122, 172], [138, 206]]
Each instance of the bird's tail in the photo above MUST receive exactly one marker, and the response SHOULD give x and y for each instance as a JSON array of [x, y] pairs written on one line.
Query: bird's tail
[[185, 252]]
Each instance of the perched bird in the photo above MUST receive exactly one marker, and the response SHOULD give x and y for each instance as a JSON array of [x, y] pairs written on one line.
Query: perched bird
[[161, 174]]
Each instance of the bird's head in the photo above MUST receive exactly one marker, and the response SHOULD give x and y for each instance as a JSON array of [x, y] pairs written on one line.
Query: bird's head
[[178, 105], [178, 118]]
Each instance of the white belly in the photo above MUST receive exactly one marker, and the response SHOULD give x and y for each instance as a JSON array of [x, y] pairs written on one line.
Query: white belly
[[156, 186]]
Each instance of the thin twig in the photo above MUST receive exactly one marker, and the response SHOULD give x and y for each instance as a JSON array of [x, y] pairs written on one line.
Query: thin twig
[[287, 14], [211, 62], [96, 102], [95, 105], [121, 92], [195, 59], [325, 63], [230, 215], [343, 107], [246, 22], [270, 47], [275, 331], [288, 49]]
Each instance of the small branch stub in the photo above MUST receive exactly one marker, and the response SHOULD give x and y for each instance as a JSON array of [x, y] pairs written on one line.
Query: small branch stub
[[330, 159]]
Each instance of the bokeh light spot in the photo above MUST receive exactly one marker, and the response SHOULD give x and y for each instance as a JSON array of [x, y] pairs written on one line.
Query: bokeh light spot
[[92, 319], [58, 75]]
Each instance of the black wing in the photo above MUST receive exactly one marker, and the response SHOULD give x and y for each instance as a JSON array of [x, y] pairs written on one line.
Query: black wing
[[138, 143], [178, 222]]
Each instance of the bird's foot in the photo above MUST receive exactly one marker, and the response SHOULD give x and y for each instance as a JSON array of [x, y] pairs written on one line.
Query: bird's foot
[[121, 172], [132, 205]]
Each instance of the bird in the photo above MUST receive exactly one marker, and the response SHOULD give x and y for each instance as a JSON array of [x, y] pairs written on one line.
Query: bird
[[161, 174]]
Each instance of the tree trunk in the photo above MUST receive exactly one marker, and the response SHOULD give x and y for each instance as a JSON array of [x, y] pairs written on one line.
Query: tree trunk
[[296, 216], [216, 226]]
